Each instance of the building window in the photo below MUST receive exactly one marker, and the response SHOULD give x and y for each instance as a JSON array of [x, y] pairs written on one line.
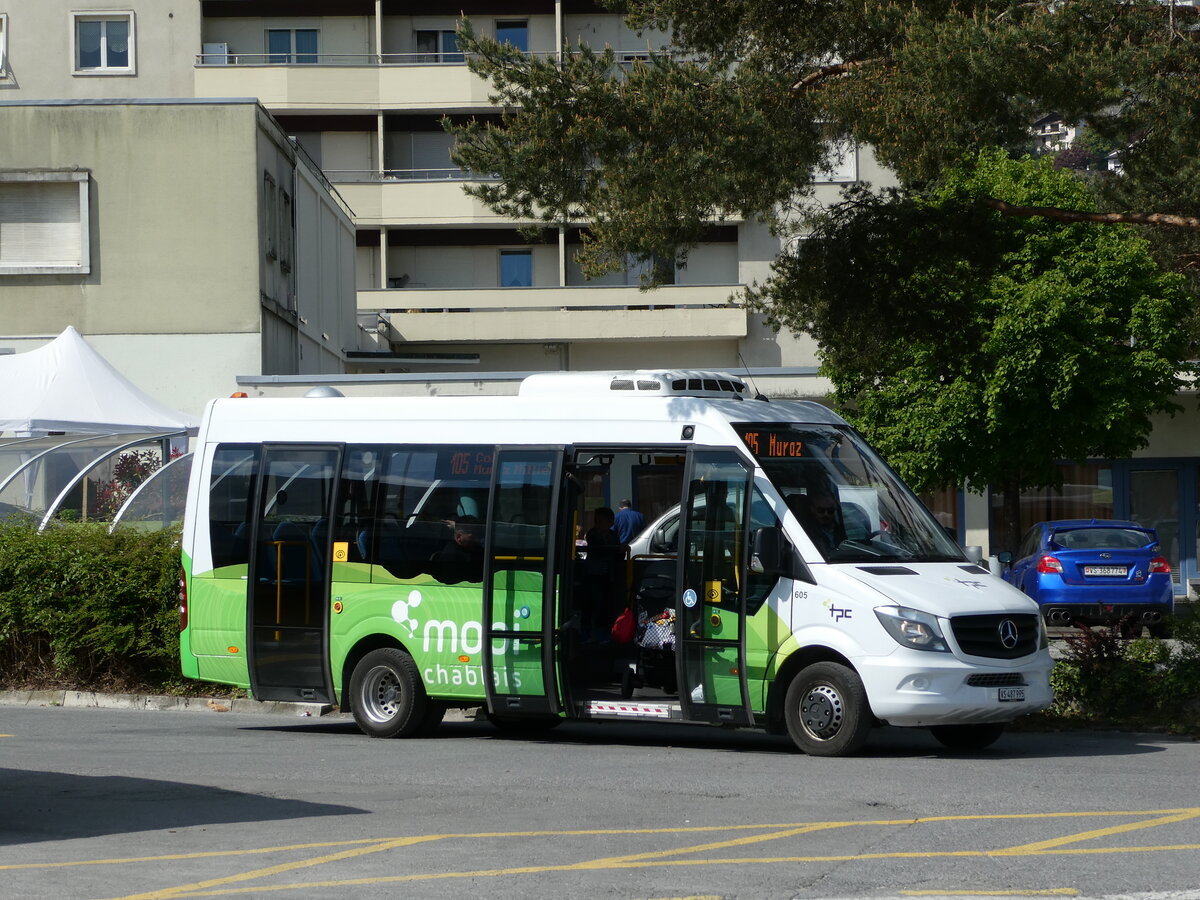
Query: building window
[[44, 223], [271, 215], [3, 45], [437, 47], [292, 45], [515, 34], [843, 164], [516, 268], [287, 239], [104, 43]]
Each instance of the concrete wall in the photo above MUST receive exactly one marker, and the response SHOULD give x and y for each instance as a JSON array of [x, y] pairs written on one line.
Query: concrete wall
[[338, 35], [178, 222], [41, 38], [173, 218]]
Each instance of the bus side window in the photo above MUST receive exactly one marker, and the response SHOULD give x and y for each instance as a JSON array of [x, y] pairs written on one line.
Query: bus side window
[[354, 523], [230, 506], [422, 492], [760, 584]]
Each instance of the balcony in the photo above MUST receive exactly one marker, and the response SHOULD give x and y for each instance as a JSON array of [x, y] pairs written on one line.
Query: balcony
[[412, 197], [523, 315], [342, 82]]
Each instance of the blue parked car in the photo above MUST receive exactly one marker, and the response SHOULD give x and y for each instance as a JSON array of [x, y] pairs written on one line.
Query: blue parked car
[[1094, 572]]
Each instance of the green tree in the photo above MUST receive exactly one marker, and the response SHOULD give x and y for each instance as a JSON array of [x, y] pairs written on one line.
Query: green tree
[[1001, 317], [973, 346], [740, 107]]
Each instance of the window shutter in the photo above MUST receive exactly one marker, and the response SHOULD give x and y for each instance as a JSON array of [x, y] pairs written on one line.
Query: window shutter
[[40, 224]]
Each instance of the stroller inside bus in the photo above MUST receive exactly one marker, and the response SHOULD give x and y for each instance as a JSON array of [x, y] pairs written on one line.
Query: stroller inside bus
[[652, 659]]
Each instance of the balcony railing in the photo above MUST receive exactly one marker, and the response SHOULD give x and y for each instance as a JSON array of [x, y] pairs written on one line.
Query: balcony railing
[[625, 58], [371, 176], [231, 58]]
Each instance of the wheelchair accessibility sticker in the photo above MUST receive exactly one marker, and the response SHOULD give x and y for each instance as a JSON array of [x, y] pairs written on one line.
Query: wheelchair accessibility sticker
[[689, 598]]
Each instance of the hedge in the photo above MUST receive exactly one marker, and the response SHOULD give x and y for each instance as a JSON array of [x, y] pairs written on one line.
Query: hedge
[[83, 608]]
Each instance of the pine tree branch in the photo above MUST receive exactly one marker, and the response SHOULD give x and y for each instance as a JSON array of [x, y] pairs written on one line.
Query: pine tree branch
[[832, 71], [1071, 215]]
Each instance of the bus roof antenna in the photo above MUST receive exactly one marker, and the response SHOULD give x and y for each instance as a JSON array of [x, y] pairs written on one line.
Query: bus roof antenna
[[750, 378]]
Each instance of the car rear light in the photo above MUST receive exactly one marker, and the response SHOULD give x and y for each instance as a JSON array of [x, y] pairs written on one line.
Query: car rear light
[[182, 600], [1048, 564], [1160, 564]]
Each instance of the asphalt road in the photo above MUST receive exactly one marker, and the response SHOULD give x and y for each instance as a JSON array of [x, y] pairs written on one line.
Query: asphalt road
[[127, 803]]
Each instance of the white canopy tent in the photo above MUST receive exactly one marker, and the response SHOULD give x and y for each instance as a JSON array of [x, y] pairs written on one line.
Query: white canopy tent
[[67, 386]]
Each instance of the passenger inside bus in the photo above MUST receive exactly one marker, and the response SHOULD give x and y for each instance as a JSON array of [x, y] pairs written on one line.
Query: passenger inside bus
[[462, 557], [820, 515]]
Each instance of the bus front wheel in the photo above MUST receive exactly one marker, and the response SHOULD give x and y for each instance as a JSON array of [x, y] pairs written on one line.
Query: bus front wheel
[[386, 695], [826, 710]]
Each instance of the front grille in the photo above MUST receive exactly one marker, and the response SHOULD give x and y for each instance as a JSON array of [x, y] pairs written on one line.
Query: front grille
[[981, 635], [1000, 679]]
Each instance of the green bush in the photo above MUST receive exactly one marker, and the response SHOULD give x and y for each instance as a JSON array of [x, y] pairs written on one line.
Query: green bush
[[83, 608], [1107, 679]]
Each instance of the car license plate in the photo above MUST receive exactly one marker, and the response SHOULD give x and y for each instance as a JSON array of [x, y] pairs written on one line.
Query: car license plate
[[1118, 571], [1011, 694]]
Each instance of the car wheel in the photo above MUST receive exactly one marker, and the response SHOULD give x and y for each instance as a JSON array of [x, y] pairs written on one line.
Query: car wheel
[[1161, 630], [826, 710], [968, 737], [386, 695]]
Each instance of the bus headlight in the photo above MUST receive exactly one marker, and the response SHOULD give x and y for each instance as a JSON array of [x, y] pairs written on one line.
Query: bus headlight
[[912, 628]]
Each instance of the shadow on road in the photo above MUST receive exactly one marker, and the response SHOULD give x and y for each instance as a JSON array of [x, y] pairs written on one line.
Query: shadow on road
[[52, 806], [885, 743]]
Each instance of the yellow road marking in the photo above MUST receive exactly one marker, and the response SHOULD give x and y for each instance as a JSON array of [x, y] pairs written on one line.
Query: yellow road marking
[[283, 867], [600, 865], [1052, 847], [717, 845], [1101, 832], [596, 832], [170, 857], [1048, 892]]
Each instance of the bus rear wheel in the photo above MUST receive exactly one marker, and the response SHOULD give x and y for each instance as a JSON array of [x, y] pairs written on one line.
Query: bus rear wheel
[[386, 695], [826, 710]]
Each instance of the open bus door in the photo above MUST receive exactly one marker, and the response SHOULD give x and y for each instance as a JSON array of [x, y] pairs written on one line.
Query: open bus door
[[520, 583], [288, 587], [711, 588]]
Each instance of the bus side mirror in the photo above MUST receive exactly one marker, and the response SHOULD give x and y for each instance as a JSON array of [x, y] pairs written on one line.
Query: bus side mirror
[[768, 551]]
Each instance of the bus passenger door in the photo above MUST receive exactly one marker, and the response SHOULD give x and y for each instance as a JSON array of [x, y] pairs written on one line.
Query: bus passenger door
[[289, 570], [520, 582], [711, 588]]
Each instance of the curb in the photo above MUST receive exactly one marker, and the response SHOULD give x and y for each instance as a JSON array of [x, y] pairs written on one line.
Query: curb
[[95, 700], [160, 703]]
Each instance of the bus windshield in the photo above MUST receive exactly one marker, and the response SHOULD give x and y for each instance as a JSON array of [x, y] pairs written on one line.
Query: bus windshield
[[849, 502]]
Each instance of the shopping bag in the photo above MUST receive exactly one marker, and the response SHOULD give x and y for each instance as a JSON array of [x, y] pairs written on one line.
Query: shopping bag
[[624, 627]]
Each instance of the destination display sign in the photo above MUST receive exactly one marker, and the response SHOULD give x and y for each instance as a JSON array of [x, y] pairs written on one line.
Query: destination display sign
[[773, 443]]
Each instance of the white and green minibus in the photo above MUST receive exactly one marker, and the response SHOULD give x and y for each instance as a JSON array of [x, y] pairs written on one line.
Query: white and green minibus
[[402, 556]]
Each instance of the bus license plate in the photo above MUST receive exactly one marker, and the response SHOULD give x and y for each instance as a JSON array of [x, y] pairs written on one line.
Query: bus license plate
[[1011, 694]]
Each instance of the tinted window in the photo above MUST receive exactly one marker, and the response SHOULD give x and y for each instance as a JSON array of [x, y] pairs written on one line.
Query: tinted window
[[230, 500]]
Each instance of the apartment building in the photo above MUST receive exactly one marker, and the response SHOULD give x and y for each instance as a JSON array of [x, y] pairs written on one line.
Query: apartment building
[[442, 280], [189, 240]]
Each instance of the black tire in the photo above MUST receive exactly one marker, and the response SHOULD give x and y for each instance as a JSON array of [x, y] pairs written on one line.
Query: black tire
[[627, 684], [1161, 630], [968, 737], [826, 710], [386, 695], [522, 727]]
